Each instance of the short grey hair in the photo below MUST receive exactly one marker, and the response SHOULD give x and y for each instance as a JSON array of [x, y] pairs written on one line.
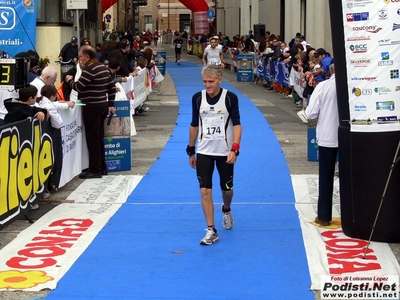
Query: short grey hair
[[49, 71], [212, 71]]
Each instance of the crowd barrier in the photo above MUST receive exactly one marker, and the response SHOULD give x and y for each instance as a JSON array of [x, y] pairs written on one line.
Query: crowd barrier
[[277, 72], [29, 151]]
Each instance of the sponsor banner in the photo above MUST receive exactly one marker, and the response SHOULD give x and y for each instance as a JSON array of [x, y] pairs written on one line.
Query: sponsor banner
[[329, 251], [245, 67], [201, 23], [73, 142], [371, 30], [40, 256], [161, 61], [17, 26], [297, 81], [281, 73], [137, 88], [27, 159], [264, 69]]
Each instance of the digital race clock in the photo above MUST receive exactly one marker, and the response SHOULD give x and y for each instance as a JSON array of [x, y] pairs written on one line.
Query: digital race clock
[[13, 73]]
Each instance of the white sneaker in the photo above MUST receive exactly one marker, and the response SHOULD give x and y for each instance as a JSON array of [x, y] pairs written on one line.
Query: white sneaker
[[210, 238], [227, 219]]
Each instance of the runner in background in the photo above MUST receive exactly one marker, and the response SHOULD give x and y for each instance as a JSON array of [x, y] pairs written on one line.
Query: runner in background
[[178, 42]]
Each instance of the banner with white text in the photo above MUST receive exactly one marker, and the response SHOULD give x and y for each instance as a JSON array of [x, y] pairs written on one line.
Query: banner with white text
[[372, 37], [17, 26]]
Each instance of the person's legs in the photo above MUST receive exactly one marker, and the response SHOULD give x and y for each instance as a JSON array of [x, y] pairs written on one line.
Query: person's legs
[[204, 171], [208, 205], [226, 183], [93, 119], [327, 161]]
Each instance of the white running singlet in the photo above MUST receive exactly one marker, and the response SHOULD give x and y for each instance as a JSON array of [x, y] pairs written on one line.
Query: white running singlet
[[215, 127]]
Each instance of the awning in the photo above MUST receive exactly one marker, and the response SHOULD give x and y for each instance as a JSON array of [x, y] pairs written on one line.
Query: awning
[[106, 4], [195, 5]]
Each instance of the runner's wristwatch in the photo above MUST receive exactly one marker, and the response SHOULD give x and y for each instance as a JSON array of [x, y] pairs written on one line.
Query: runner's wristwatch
[[236, 152]]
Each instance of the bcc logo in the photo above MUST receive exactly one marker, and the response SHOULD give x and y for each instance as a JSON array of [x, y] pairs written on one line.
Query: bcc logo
[[7, 18]]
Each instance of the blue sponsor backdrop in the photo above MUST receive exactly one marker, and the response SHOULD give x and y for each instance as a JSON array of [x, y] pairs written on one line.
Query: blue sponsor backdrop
[[117, 146], [245, 67], [279, 71], [161, 61], [17, 26], [118, 153]]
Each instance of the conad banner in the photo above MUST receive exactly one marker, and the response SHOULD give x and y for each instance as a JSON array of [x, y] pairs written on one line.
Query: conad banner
[[17, 26], [372, 39]]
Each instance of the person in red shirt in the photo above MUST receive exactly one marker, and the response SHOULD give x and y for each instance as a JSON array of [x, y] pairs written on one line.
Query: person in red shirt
[[137, 42]]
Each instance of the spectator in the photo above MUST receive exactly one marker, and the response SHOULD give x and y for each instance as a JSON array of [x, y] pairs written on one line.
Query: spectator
[[31, 73], [34, 68], [137, 43], [70, 51], [284, 47], [49, 93], [250, 35], [155, 37], [5, 94], [98, 47], [248, 46], [324, 59], [123, 52], [49, 76], [323, 105], [203, 38], [95, 89], [22, 108], [49, 96], [262, 46], [241, 43], [276, 47], [292, 41], [107, 48], [113, 65], [85, 41]]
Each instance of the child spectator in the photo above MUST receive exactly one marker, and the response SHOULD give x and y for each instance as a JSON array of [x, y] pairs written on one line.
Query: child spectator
[[49, 94], [20, 108]]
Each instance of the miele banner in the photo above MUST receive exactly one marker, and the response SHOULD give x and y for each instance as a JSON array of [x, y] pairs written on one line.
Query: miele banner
[[372, 39]]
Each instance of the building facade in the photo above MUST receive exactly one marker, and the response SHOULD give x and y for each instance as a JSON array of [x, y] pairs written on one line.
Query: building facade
[[58, 24]]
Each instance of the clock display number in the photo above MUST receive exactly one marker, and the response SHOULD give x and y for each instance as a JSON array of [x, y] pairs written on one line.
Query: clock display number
[[5, 74]]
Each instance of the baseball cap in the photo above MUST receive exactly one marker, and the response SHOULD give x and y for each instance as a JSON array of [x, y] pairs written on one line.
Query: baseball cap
[[74, 39], [319, 51]]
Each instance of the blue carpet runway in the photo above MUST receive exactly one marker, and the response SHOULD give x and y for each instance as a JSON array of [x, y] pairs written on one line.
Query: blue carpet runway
[[150, 247]]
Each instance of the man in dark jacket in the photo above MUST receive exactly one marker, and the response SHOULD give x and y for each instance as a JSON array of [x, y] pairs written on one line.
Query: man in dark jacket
[[97, 91], [70, 51], [125, 53], [21, 109]]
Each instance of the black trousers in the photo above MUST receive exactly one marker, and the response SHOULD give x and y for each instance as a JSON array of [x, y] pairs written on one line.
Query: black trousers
[[93, 119], [327, 161]]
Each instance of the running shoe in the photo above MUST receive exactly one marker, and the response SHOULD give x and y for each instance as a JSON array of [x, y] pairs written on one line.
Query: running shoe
[[227, 219], [210, 238]]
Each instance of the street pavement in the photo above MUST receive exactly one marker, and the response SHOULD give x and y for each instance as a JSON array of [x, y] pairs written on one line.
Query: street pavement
[[154, 128]]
